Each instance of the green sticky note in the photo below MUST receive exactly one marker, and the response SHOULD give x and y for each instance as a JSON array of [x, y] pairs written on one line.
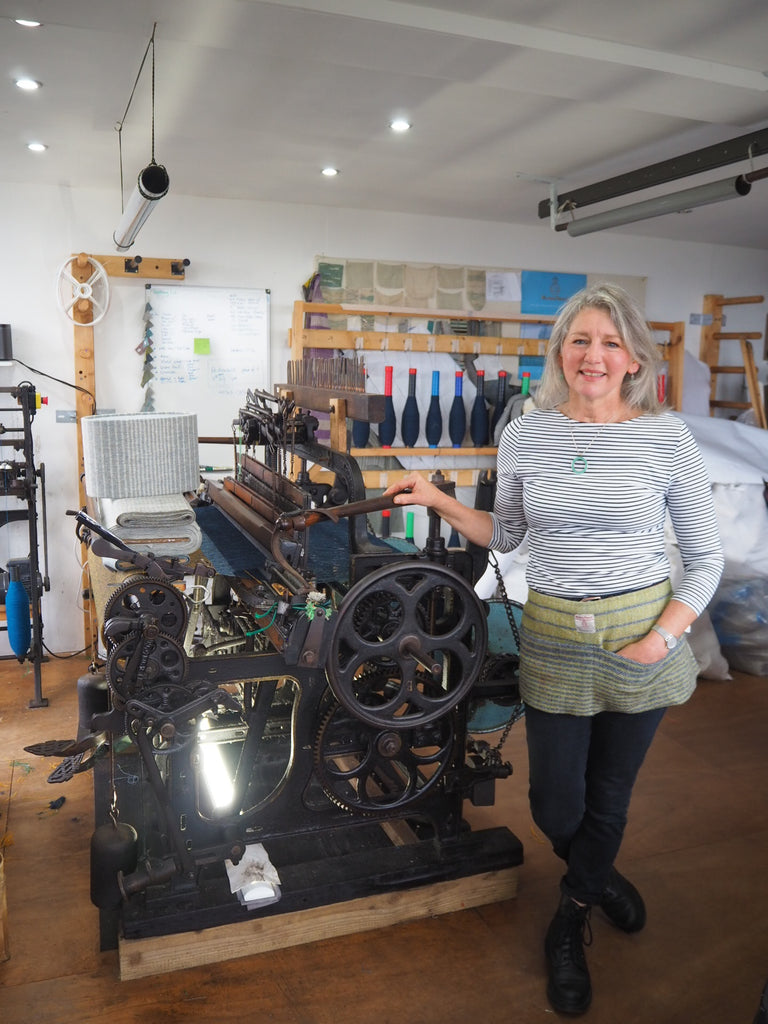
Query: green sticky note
[[202, 346]]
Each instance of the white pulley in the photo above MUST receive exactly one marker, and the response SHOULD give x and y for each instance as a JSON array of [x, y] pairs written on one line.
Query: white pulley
[[95, 290]]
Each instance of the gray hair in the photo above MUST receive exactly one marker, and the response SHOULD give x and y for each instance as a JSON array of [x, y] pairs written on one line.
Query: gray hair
[[639, 390]]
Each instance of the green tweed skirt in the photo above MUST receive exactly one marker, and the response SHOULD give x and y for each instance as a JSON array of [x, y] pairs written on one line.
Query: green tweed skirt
[[568, 659]]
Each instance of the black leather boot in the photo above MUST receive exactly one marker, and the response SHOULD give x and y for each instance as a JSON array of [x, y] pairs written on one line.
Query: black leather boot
[[569, 989], [622, 904]]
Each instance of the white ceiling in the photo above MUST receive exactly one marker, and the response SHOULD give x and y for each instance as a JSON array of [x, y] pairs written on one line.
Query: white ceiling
[[253, 98]]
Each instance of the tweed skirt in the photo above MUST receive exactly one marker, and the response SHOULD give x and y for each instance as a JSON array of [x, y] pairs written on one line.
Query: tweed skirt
[[568, 659]]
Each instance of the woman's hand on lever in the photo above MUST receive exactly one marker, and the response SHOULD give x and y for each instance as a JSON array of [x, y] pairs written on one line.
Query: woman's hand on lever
[[414, 489], [473, 524]]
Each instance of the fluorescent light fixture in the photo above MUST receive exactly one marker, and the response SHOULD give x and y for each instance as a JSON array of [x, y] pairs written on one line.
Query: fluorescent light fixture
[[37, 147], [676, 202], [28, 84], [330, 172], [25, 23], [152, 185], [400, 125], [217, 779]]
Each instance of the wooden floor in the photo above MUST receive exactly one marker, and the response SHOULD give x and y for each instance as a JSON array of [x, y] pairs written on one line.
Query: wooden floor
[[697, 847]]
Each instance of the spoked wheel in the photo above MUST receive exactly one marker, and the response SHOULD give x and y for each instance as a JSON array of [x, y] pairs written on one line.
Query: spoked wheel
[[372, 770], [136, 664], [144, 595], [408, 645], [78, 293]]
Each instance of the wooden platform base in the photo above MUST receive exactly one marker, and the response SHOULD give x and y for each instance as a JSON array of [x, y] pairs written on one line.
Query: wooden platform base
[[141, 958]]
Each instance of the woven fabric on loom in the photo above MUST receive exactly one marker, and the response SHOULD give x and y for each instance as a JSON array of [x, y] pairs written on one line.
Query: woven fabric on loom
[[139, 455]]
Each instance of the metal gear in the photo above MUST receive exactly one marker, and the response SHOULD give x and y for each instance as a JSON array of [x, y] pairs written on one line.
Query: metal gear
[[165, 698], [143, 595], [408, 645], [379, 771], [136, 664]]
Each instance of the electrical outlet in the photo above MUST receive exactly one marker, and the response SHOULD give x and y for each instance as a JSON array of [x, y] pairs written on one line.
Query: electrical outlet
[[66, 416]]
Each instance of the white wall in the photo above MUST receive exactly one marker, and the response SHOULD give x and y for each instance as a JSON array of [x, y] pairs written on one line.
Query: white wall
[[249, 244]]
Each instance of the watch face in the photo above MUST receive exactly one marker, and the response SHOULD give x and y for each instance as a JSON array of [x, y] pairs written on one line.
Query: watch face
[[671, 643]]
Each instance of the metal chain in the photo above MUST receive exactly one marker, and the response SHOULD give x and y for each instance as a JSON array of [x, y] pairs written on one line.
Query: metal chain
[[504, 597], [516, 716]]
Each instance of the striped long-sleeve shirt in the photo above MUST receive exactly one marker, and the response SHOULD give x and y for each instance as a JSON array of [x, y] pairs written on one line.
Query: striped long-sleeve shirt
[[601, 531]]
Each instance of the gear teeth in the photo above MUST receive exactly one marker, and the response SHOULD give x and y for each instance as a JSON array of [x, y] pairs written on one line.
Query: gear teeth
[[170, 609]]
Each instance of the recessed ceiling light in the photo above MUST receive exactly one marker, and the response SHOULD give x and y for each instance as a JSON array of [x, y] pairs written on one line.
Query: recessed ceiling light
[[330, 172], [400, 125], [28, 84], [27, 24], [37, 147]]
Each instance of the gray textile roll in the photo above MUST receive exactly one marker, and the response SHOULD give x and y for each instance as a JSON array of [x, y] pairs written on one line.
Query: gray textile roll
[[140, 454], [164, 524]]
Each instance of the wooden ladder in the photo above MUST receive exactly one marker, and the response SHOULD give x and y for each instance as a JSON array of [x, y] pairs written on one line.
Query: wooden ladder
[[711, 336]]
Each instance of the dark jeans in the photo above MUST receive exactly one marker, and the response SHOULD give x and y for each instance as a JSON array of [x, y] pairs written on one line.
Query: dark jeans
[[582, 770]]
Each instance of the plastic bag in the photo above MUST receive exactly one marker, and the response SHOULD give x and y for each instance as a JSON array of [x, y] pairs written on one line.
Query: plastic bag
[[739, 613]]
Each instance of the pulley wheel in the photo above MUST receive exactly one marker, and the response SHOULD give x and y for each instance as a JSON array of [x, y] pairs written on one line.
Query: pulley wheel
[[408, 644]]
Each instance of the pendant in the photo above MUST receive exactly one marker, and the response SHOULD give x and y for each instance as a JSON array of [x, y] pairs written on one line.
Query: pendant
[[579, 464]]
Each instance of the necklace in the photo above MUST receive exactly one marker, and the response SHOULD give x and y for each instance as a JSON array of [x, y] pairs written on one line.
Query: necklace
[[579, 462]]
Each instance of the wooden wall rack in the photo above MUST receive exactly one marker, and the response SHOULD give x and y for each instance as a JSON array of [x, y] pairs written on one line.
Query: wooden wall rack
[[712, 335], [503, 342]]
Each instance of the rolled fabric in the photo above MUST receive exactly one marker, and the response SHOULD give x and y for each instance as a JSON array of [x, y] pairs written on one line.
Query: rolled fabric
[[137, 455]]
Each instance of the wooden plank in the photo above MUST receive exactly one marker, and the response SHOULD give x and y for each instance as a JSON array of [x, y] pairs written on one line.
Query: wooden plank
[[744, 300], [377, 478], [143, 267], [673, 351], [360, 405], [383, 341], [141, 958], [734, 335], [350, 309], [753, 386], [5, 949], [398, 452]]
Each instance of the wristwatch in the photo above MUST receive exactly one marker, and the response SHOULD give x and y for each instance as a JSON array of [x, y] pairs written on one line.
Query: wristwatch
[[669, 638]]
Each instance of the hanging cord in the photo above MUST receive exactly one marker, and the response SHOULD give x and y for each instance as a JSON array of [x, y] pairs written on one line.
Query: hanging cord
[[119, 125], [58, 380]]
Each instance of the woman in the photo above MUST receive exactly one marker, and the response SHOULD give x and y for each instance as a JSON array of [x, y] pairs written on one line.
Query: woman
[[591, 475]]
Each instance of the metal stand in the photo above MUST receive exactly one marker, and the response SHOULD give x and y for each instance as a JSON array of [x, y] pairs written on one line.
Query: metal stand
[[20, 480]]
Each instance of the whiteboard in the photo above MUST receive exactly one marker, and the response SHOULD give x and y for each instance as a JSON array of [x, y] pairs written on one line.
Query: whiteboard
[[209, 345]]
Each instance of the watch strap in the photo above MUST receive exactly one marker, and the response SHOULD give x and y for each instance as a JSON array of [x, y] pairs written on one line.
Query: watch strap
[[669, 638]]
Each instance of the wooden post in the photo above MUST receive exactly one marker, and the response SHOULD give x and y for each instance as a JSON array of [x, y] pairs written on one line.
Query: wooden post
[[81, 269]]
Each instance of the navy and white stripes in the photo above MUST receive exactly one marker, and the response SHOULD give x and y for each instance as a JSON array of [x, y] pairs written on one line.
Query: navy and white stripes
[[602, 531]]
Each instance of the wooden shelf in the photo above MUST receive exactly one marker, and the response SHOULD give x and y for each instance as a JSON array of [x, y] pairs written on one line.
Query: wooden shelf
[[398, 452], [672, 349], [366, 407]]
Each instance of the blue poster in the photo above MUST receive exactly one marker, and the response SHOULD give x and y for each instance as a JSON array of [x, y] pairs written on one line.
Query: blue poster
[[544, 292]]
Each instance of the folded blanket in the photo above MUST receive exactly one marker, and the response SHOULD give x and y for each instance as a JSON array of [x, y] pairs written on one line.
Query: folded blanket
[[164, 524]]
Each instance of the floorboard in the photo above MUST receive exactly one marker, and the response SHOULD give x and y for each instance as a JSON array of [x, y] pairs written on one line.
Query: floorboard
[[696, 845]]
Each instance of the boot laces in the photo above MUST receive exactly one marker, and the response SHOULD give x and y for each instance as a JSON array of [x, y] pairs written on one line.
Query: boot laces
[[577, 933]]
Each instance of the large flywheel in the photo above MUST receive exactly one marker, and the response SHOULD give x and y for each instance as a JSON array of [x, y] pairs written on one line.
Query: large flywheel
[[408, 645]]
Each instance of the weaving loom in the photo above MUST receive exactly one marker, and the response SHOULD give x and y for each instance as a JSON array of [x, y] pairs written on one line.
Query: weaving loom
[[330, 675]]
